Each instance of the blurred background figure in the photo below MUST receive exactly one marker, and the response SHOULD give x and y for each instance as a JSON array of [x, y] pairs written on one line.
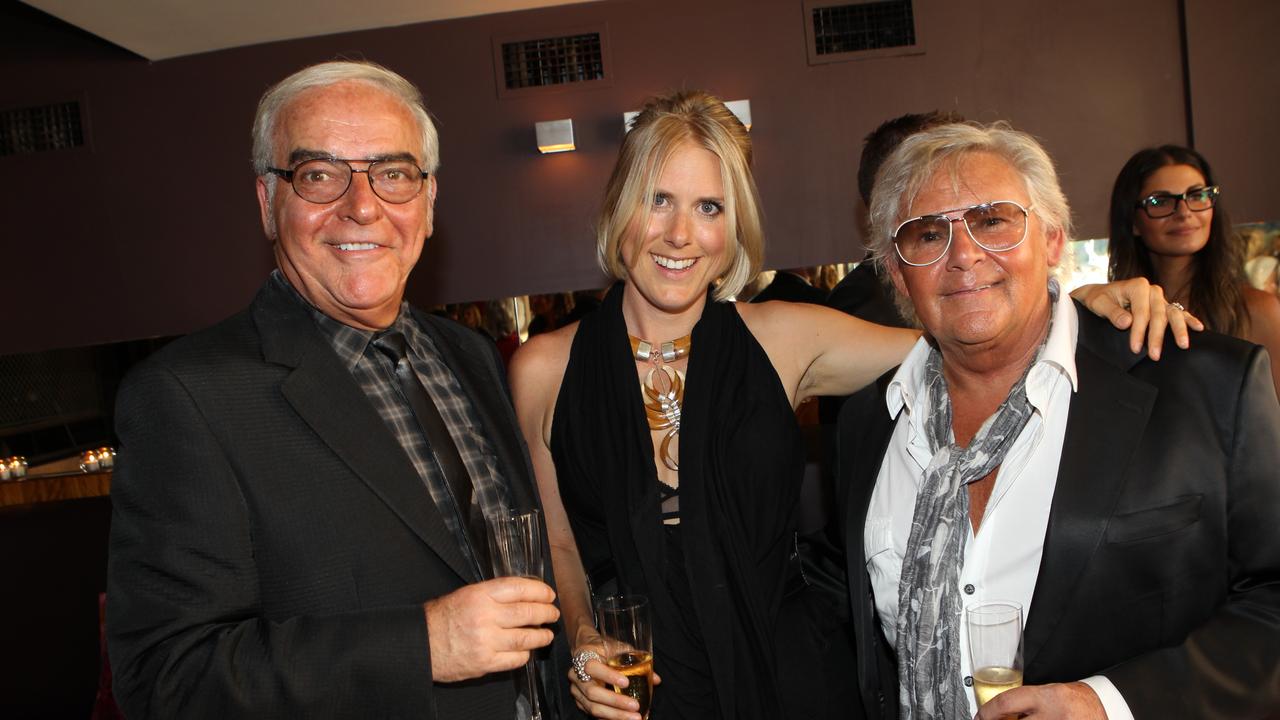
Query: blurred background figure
[[499, 321], [468, 314], [862, 292], [1169, 224], [584, 303], [791, 285], [1261, 272], [549, 311]]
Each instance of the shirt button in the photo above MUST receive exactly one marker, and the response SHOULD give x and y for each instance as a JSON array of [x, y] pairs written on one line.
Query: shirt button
[[968, 589], [968, 681]]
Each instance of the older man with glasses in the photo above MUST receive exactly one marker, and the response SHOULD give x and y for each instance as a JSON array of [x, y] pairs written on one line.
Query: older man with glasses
[[301, 493], [1022, 453]]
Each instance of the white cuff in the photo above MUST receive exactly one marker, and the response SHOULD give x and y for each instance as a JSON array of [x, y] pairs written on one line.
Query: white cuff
[[1112, 701]]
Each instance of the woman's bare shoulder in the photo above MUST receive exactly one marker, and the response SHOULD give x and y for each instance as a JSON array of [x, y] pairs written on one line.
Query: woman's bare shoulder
[[544, 356], [780, 315]]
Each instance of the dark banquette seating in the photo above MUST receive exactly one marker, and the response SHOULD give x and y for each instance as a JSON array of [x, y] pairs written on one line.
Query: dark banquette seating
[[53, 566]]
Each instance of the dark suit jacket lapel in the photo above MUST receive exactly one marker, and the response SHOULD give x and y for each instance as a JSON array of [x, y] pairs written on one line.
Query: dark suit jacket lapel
[[1107, 418], [328, 399]]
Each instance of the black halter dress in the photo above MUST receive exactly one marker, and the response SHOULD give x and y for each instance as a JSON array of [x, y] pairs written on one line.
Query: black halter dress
[[716, 580]]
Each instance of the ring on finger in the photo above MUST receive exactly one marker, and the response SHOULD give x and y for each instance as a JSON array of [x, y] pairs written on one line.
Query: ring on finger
[[1177, 306], [580, 660]]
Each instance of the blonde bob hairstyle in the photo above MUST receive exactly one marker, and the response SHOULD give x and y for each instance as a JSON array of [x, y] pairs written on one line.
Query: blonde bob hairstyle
[[916, 160], [664, 124]]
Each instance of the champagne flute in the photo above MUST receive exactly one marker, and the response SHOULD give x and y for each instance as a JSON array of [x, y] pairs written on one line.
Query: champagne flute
[[624, 623], [515, 548], [995, 647]]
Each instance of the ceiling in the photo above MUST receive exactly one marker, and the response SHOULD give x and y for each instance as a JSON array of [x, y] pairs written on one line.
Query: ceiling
[[161, 29]]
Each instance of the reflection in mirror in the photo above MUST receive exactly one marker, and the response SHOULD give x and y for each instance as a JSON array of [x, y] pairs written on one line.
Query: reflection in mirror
[[55, 405]]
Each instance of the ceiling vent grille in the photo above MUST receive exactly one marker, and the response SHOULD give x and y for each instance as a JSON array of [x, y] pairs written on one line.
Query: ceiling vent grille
[[860, 29], [543, 62], [37, 129]]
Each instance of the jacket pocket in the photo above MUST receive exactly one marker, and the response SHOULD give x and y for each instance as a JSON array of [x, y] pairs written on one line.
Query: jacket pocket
[[1154, 522]]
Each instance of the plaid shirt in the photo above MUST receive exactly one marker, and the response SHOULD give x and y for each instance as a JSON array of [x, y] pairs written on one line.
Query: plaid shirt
[[375, 373]]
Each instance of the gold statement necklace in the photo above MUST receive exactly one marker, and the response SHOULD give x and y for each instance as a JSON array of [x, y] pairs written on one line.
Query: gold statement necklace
[[663, 388]]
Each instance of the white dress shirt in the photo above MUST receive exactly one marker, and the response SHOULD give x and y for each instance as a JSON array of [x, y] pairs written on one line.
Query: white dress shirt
[[1002, 560]]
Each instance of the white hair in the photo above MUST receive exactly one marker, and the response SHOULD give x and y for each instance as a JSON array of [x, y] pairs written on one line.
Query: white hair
[[279, 96], [915, 161]]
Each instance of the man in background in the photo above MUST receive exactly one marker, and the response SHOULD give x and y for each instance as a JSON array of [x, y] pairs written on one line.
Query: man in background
[[862, 292]]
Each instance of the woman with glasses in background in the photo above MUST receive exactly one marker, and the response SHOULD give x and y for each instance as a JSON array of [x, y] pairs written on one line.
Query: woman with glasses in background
[[1169, 226]]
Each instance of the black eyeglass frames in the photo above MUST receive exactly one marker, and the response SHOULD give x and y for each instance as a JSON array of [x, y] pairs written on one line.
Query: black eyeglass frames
[[324, 180], [1159, 205]]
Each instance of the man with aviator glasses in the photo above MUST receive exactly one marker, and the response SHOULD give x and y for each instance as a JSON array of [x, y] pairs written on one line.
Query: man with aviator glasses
[[1023, 453]]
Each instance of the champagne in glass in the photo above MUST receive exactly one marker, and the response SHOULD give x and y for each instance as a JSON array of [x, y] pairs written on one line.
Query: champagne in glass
[[995, 647], [623, 621], [515, 549]]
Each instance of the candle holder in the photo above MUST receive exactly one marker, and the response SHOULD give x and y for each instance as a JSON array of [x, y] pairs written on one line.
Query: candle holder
[[106, 458], [13, 468], [89, 461]]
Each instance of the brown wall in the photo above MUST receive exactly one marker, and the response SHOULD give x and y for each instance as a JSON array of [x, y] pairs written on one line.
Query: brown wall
[[154, 229], [1235, 100]]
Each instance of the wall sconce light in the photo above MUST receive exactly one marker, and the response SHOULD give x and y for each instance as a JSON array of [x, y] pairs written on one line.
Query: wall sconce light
[[555, 136], [741, 108]]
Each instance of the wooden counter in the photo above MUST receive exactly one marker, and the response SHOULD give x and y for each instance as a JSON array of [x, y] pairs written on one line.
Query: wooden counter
[[62, 486]]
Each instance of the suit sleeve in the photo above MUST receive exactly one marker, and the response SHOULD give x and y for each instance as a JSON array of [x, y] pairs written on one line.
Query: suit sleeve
[[1230, 666], [188, 635]]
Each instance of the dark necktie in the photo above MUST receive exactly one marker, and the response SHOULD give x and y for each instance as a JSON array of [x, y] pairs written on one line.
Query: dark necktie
[[442, 446]]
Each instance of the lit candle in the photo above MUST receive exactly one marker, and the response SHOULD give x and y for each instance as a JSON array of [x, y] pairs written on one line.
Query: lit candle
[[106, 458], [90, 463], [18, 468], [4, 469]]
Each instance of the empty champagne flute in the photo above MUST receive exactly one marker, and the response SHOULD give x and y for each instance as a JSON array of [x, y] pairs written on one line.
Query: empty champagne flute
[[515, 548], [625, 625], [995, 647]]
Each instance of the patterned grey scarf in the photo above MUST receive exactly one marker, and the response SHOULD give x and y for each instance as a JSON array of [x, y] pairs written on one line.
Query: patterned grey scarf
[[929, 604]]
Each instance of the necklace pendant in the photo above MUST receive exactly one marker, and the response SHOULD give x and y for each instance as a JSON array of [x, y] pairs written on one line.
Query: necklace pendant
[[663, 391]]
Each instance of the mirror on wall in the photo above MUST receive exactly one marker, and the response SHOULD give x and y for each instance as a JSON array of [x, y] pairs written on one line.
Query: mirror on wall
[[57, 404]]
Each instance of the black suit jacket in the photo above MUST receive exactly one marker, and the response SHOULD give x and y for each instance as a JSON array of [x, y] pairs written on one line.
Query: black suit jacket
[[790, 287], [272, 544], [862, 293], [1161, 565]]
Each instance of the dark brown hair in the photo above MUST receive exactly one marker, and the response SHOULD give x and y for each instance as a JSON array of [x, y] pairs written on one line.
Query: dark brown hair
[[882, 141], [1215, 294]]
